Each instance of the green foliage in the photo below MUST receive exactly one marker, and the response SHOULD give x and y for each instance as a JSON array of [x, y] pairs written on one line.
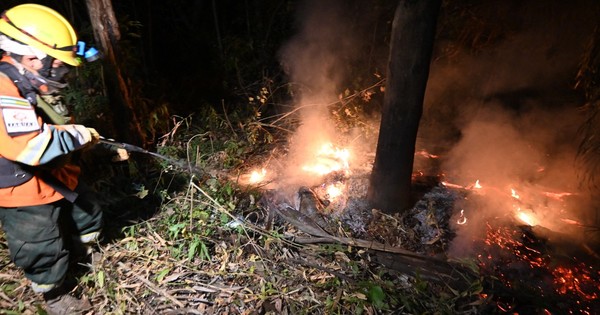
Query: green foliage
[[353, 108], [86, 97], [376, 296]]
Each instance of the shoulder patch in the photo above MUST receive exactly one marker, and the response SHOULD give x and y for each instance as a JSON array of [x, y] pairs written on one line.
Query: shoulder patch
[[19, 116]]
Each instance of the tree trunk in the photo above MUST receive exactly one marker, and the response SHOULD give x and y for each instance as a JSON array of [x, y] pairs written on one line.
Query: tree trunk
[[413, 33], [107, 35]]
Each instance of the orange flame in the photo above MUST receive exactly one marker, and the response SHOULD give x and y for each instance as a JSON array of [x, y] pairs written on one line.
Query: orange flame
[[527, 217], [514, 194], [462, 219], [329, 159], [334, 190], [257, 176]]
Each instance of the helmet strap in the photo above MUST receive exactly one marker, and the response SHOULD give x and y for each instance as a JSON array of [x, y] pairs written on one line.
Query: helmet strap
[[23, 83]]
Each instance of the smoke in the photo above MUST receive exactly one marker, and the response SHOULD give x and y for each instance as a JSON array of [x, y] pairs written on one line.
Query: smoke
[[519, 161], [508, 116], [317, 62], [504, 113]]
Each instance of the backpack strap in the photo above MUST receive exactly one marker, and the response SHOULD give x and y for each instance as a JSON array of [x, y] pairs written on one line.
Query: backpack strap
[[27, 90]]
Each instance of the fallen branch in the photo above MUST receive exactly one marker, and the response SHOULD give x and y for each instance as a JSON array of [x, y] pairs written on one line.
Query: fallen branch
[[396, 258], [153, 287]]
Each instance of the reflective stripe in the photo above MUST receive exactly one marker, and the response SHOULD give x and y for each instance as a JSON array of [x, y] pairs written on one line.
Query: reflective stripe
[[89, 237], [7, 101], [42, 288], [35, 147]]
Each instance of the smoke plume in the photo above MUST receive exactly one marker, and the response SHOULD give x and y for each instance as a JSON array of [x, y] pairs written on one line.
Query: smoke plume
[[508, 116], [501, 111], [316, 60]]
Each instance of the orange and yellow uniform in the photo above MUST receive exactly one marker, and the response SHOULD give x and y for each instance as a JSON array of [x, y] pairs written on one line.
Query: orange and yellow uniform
[[26, 139]]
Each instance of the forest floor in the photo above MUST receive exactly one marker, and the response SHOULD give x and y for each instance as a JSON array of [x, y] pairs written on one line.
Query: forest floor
[[181, 242]]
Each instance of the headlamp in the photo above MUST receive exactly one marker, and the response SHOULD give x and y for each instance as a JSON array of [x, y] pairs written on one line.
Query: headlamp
[[91, 54]]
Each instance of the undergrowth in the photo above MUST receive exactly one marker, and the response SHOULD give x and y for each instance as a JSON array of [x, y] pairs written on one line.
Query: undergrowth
[[181, 241]]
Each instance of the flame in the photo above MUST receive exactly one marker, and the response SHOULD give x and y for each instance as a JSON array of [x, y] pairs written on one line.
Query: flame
[[257, 176], [334, 190], [527, 217], [513, 193], [462, 219], [520, 248], [329, 159]]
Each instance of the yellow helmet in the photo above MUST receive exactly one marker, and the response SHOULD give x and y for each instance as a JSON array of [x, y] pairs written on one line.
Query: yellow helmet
[[43, 28]]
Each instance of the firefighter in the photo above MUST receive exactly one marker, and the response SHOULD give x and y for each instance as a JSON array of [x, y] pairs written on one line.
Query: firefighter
[[36, 185]]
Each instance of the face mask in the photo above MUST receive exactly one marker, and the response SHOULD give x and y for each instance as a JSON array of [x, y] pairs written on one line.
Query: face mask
[[58, 73], [53, 74], [46, 67]]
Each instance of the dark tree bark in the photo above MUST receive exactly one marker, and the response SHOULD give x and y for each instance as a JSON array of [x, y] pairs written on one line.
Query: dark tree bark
[[413, 33], [107, 35]]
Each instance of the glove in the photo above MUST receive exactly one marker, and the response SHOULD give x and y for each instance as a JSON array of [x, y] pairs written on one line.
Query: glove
[[95, 135], [122, 155]]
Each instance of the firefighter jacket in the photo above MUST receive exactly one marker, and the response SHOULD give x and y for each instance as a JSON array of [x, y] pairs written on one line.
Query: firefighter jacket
[[27, 140]]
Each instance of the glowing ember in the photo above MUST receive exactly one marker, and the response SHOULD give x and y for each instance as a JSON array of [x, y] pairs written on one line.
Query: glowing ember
[[516, 252], [508, 240], [456, 186], [556, 196], [450, 185], [462, 219], [573, 222], [257, 176], [426, 154], [577, 280], [329, 159]]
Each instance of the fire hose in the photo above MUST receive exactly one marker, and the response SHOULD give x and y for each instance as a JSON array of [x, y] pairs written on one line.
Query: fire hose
[[133, 148]]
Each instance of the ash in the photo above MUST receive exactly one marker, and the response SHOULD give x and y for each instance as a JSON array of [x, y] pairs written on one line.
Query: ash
[[429, 220], [425, 228], [357, 216]]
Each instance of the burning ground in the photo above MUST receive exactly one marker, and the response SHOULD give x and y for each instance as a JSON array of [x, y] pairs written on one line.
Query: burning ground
[[289, 232], [277, 221]]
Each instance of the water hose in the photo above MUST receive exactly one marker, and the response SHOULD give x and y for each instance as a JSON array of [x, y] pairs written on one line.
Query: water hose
[[132, 148]]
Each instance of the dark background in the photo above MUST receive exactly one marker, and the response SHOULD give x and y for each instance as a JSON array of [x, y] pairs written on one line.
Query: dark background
[[199, 52]]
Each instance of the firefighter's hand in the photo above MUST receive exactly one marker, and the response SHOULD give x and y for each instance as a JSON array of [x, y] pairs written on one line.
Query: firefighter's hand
[[122, 155], [94, 135]]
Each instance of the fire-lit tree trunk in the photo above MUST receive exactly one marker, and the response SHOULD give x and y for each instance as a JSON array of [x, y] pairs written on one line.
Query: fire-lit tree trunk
[[413, 33], [107, 35]]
